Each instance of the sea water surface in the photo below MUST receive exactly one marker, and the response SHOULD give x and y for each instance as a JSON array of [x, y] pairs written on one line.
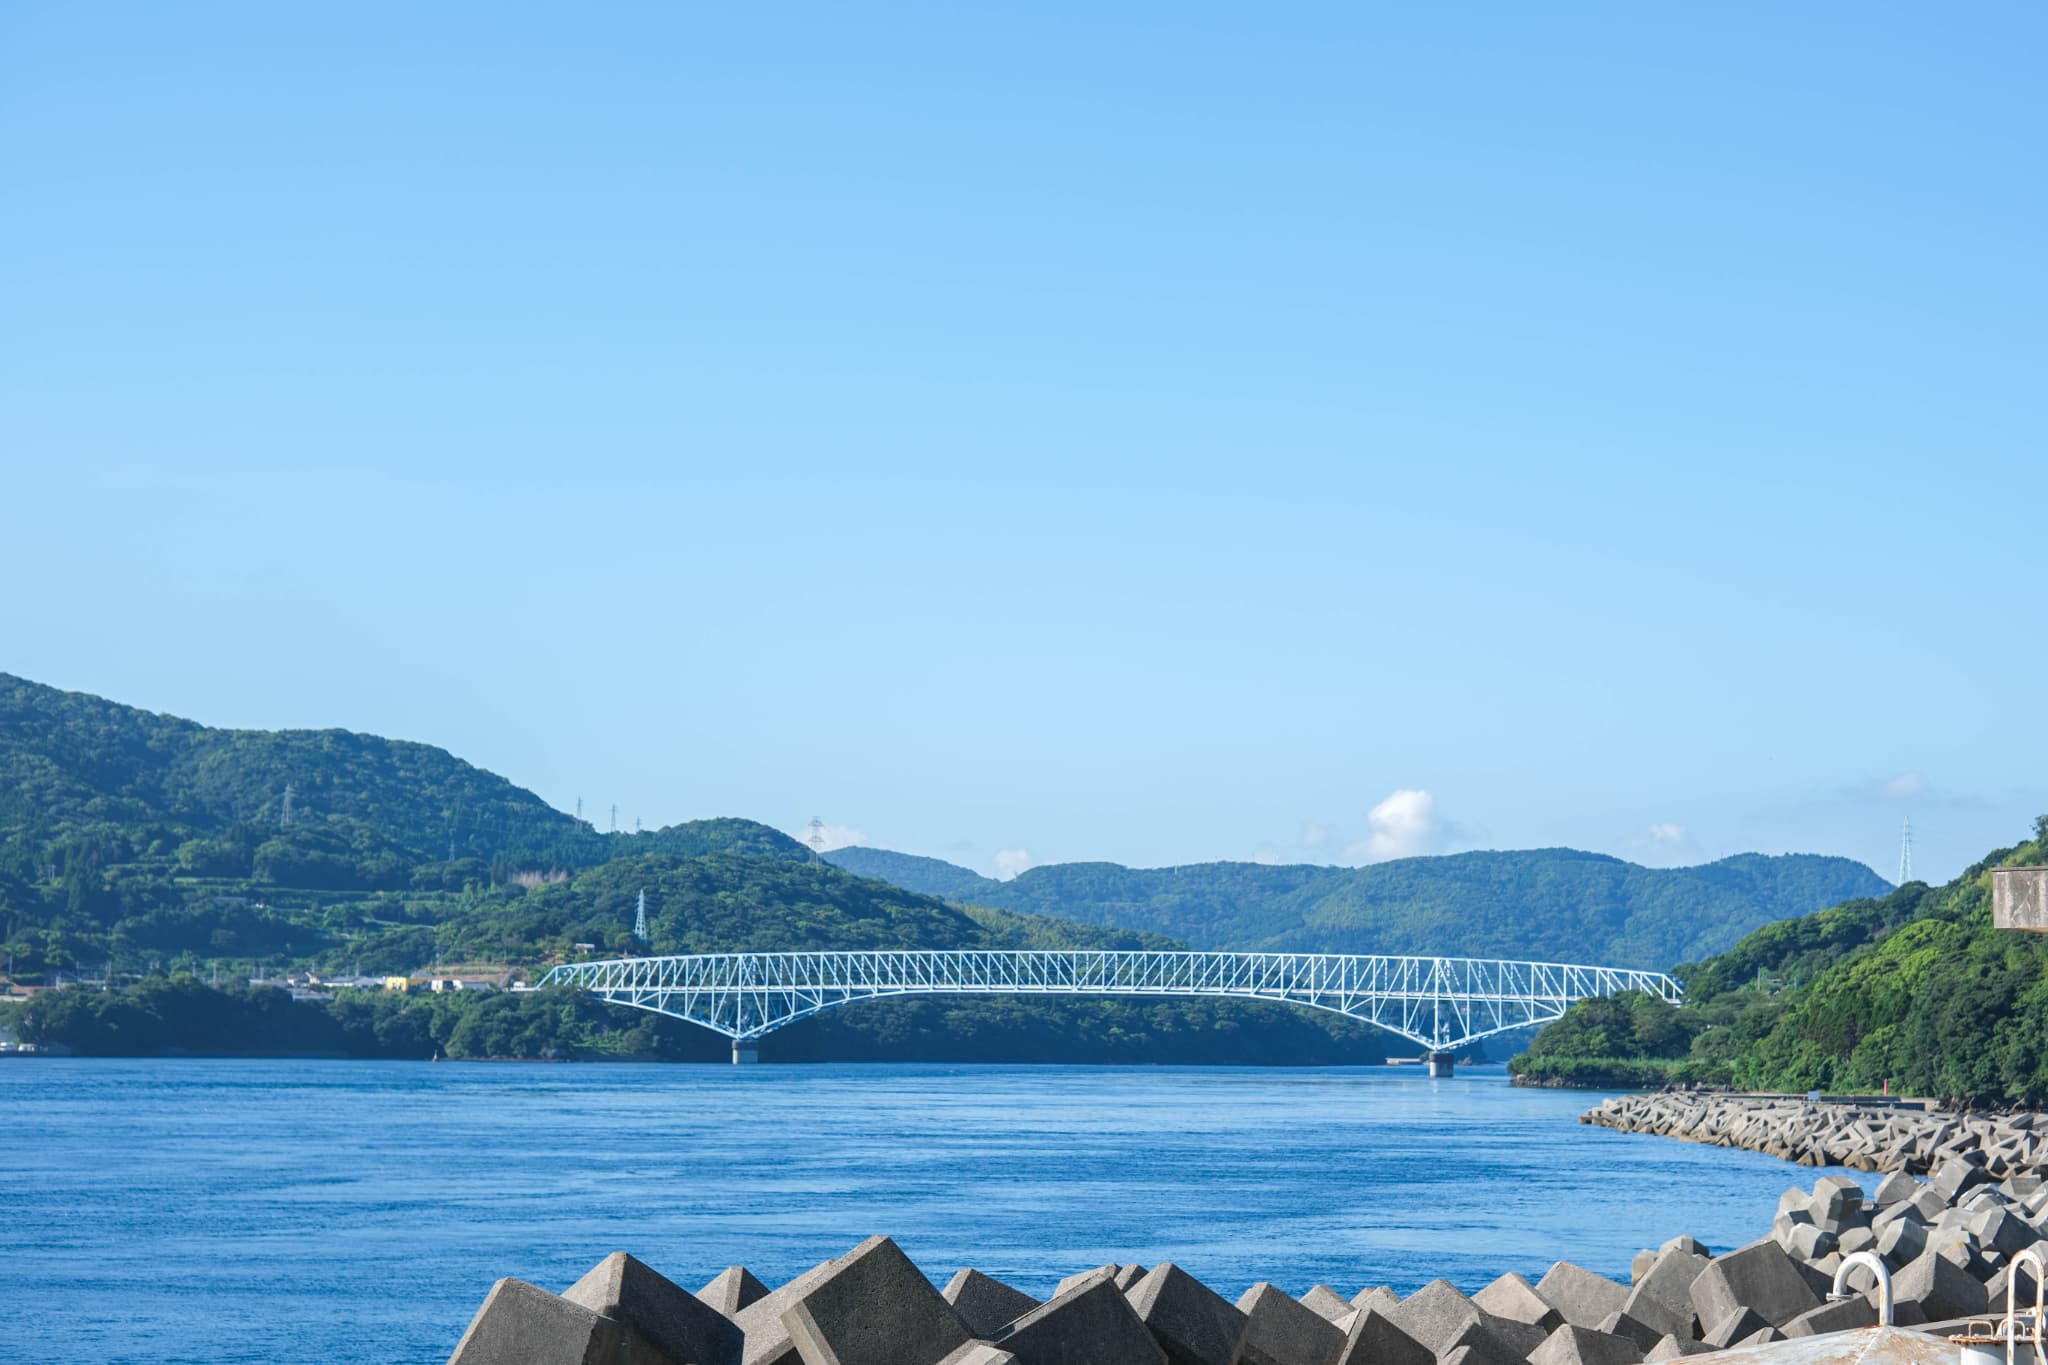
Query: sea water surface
[[359, 1211]]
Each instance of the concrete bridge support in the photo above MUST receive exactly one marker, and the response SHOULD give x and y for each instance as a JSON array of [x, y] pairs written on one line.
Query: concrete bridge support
[[745, 1052], [1439, 1065]]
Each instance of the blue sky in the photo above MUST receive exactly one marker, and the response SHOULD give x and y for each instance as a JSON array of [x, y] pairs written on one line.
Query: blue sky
[[1156, 433]]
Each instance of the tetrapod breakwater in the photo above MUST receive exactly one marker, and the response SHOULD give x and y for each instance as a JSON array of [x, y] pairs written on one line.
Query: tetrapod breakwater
[[1863, 1135], [1949, 1243]]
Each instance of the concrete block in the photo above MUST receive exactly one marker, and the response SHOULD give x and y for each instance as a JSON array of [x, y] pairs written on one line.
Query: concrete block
[[1734, 1326], [523, 1324], [1760, 1277], [1090, 1324], [1927, 1204], [873, 1307], [1896, 1188], [1515, 1299], [1281, 1330], [1837, 1201], [768, 1340], [1580, 1296], [1375, 1296], [1795, 1202], [980, 1353], [1192, 1323], [1901, 1242], [1473, 1355], [732, 1289], [985, 1303], [1333, 1307], [1663, 1298], [1640, 1265], [1570, 1345], [1375, 1339], [2001, 1231], [1940, 1287], [1856, 1239], [1128, 1275], [1436, 1315], [1687, 1243], [648, 1305], [1956, 1177], [1076, 1281], [1762, 1337], [1671, 1348], [1843, 1316], [1807, 1242], [1619, 1324]]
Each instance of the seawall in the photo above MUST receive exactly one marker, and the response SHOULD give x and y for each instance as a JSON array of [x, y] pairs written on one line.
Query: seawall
[[1862, 1135]]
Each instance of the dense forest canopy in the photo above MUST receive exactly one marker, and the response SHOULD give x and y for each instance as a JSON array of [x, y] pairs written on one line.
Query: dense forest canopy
[[1915, 988], [1548, 904]]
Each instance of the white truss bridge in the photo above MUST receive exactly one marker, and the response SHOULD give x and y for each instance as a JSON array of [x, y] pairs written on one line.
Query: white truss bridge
[[1440, 1003]]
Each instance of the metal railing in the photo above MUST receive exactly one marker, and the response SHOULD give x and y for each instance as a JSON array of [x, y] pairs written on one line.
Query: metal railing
[[1440, 1003]]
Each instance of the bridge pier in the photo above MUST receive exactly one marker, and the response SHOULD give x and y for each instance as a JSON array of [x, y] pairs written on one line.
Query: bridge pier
[[1439, 1066], [745, 1052]]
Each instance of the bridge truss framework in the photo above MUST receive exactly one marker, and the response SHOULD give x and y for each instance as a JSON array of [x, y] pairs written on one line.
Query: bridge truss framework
[[1440, 1003]]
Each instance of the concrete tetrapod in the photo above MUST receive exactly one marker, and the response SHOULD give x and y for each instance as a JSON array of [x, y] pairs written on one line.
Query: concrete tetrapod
[[1760, 1277], [1281, 1330], [1582, 1297], [1090, 1323], [523, 1324], [985, 1303], [647, 1305], [873, 1307], [731, 1290], [1192, 1323]]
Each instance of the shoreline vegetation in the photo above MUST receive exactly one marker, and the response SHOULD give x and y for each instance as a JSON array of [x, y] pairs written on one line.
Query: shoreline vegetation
[[1911, 993], [181, 1016]]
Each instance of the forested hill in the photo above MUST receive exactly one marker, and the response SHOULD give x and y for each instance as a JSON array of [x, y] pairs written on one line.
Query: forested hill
[[1557, 904], [1915, 988], [366, 811]]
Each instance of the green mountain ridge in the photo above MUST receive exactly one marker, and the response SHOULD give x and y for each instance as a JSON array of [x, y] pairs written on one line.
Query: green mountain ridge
[[1544, 904]]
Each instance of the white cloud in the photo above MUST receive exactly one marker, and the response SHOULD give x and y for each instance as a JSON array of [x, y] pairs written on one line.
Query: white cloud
[[1315, 834], [1405, 825], [1011, 861], [1904, 787], [830, 837], [1667, 832]]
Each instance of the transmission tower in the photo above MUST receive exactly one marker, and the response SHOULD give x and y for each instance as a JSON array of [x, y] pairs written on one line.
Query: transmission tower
[[615, 817], [289, 791], [1906, 852], [640, 919], [816, 837], [579, 809]]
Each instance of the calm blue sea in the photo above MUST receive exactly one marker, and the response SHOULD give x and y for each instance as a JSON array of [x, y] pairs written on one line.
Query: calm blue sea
[[358, 1211]]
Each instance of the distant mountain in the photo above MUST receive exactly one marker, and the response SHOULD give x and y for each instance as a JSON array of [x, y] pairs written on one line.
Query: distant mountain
[[926, 876], [1549, 904]]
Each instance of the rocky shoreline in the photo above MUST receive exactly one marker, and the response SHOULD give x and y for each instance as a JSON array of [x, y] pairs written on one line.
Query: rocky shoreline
[[1949, 1243], [1863, 1135]]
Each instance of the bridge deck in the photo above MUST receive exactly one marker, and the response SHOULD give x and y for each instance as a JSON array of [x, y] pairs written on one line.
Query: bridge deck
[[1440, 1003]]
